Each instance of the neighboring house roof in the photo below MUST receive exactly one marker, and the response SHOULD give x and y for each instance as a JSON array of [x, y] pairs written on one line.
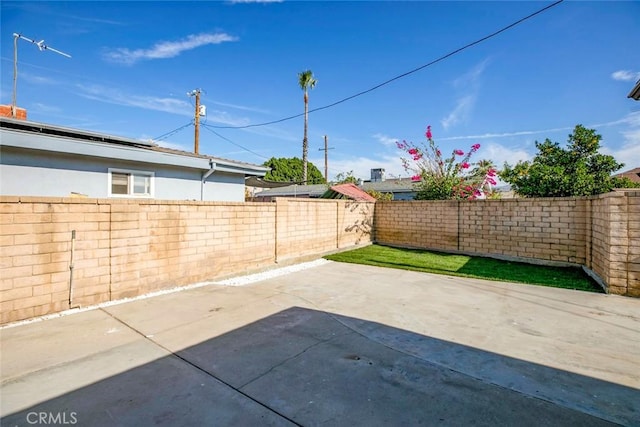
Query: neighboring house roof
[[348, 191], [632, 174], [635, 92], [253, 181], [315, 190], [396, 185], [39, 136]]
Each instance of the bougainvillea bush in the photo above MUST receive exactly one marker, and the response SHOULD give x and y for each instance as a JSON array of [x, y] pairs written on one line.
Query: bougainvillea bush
[[445, 178]]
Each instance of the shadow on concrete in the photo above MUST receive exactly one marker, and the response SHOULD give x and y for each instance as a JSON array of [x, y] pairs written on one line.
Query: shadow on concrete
[[308, 367]]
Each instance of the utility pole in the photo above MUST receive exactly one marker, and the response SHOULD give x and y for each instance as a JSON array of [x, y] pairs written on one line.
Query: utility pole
[[326, 157], [196, 122]]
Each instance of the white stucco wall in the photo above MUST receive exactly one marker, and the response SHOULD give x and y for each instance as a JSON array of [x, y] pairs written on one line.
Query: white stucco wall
[[43, 173]]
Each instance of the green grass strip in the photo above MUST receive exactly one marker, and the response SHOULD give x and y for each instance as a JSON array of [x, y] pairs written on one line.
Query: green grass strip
[[468, 266]]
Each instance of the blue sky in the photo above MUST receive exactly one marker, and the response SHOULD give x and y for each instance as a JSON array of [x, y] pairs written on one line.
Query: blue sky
[[134, 62]]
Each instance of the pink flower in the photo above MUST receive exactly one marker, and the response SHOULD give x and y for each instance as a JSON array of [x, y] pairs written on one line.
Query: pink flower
[[491, 181], [465, 165], [415, 178], [417, 156], [491, 172], [475, 147], [412, 151], [428, 134], [438, 153], [459, 152]]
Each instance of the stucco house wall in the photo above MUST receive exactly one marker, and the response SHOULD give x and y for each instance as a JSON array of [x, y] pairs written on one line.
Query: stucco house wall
[[51, 165]]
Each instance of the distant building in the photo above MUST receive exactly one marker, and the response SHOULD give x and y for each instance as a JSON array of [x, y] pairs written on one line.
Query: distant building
[[314, 191], [377, 175], [401, 188], [632, 174]]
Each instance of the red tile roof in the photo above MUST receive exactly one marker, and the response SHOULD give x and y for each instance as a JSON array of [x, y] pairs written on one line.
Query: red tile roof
[[353, 192]]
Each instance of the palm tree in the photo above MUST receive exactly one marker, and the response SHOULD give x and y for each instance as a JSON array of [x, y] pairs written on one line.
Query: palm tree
[[306, 81]]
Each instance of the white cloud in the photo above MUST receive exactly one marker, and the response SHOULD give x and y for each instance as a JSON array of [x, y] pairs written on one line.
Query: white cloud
[[44, 108], [166, 104], [500, 154], [32, 78], [167, 49], [468, 83], [460, 113], [114, 96], [472, 76], [631, 119], [505, 134], [626, 75], [361, 166], [225, 118], [385, 140], [171, 145], [241, 107], [629, 151]]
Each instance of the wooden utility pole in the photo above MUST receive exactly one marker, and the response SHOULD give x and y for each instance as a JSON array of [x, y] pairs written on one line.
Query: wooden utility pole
[[196, 122], [326, 157]]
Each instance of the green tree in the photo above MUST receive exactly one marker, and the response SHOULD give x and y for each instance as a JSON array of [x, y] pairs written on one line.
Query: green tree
[[624, 182], [290, 170], [306, 82], [387, 197], [578, 170], [345, 178]]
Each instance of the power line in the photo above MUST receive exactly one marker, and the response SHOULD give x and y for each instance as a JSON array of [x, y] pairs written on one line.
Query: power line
[[208, 127], [168, 134], [435, 61]]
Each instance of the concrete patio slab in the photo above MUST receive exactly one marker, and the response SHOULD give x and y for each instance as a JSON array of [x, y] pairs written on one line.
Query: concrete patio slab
[[335, 344]]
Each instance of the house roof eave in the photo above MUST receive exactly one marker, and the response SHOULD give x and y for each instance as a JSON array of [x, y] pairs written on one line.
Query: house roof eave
[[25, 135]]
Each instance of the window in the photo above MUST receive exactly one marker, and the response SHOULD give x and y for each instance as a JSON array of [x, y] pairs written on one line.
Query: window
[[129, 183]]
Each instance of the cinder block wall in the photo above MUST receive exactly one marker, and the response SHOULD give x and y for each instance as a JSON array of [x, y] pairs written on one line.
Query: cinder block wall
[[306, 227], [615, 241], [602, 233], [124, 248], [419, 224], [544, 229], [633, 249]]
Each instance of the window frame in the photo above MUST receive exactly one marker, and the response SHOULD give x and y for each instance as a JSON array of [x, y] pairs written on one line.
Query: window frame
[[132, 173]]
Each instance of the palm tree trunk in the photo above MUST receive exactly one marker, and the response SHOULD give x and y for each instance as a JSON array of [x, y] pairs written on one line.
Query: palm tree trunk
[[305, 141]]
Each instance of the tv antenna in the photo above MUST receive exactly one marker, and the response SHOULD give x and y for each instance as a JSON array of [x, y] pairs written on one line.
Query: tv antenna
[[42, 47]]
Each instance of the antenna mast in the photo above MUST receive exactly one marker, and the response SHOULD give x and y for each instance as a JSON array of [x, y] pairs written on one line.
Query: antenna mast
[[42, 46]]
